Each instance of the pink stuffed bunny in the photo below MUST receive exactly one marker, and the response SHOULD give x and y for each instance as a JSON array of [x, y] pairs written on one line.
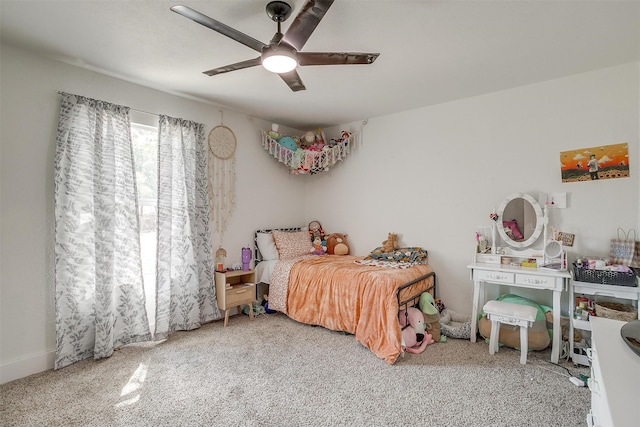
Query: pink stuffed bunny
[[414, 337]]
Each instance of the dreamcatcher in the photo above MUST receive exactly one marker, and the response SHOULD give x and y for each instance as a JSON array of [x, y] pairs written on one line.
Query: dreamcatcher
[[222, 175]]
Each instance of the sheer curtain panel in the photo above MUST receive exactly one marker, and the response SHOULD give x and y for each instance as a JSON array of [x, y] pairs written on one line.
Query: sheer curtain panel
[[185, 296], [99, 296]]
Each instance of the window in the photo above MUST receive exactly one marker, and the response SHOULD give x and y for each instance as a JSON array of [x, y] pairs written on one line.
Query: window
[[144, 140]]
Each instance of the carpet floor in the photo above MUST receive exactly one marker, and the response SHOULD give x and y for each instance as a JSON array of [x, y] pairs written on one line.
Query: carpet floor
[[273, 371]]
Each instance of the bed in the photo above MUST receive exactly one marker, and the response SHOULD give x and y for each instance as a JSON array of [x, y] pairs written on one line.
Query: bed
[[339, 292]]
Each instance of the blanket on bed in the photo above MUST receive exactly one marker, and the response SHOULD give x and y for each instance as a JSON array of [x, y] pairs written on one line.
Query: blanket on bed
[[341, 294]]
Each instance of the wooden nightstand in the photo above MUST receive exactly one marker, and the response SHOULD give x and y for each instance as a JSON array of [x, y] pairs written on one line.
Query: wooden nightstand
[[241, 290]]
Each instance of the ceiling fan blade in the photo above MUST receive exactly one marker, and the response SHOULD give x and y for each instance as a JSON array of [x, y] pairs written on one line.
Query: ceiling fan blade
[[306, 22], [293, 80], [233, 67], [335, 58], [221, 28]]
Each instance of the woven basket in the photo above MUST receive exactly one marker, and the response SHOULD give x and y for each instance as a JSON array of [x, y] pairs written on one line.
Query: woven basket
[[616, 311]]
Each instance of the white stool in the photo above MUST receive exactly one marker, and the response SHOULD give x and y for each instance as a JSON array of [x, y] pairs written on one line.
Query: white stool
[[511, 314]]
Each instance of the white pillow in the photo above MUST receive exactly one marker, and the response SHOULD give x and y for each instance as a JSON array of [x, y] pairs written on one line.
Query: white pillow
[[267, 246]]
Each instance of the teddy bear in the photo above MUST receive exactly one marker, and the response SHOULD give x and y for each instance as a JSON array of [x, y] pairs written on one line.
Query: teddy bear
[[414, 336], [337, 244], [391, 244]]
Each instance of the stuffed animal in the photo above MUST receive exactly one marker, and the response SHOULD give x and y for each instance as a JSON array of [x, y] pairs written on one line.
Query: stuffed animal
[[305, 164], [431, 314], [316, 230], [539, 336], [274, 134], [318, 248], [391, 244], [288, 142], [512, 229], [337, 244], [344, 135], [320, 137], [308, 139], [455, 325], [413, 317], [414, 337]]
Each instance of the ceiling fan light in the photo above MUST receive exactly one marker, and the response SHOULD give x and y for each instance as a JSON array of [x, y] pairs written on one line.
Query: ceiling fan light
[[279, 60]]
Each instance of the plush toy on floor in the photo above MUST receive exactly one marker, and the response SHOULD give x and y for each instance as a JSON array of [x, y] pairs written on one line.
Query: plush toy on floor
[[414, 336], [431, 315], [539, 336], [455, 325]]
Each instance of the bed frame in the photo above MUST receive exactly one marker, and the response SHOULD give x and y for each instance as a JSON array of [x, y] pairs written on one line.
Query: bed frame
[[414, 299]]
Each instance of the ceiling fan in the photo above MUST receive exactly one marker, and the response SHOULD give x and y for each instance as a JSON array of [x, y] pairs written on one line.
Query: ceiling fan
[[282, 55]]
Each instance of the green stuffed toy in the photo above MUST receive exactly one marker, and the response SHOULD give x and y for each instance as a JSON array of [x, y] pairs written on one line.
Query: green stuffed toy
[[539, 335], [431, 315]]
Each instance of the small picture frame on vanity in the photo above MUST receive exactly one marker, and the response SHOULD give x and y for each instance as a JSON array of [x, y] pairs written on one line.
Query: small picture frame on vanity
[[566, 238]]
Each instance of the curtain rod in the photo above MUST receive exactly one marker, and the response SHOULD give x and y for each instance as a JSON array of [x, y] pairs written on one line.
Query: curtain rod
[[60, 92], [144, 112]]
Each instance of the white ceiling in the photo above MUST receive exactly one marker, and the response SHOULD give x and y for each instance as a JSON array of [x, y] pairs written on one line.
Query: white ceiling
[[430, 51]]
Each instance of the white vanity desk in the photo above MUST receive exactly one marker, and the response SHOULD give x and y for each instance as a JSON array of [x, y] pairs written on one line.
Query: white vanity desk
[[530, 221], [523, 277]]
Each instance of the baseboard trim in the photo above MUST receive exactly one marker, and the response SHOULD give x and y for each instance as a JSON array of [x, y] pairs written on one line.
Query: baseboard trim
[[28, 366]]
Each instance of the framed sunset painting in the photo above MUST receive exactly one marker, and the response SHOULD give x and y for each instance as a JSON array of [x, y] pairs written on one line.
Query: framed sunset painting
[[590, 164]]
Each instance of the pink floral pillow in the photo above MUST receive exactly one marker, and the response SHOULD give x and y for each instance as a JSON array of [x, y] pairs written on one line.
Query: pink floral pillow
[[292, 244]]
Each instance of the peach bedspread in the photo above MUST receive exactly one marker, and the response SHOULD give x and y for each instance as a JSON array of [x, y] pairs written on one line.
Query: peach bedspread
[[339, 294]]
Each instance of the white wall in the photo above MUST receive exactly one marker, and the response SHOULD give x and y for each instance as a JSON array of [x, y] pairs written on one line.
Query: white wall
[[432, 175], [29, 106]]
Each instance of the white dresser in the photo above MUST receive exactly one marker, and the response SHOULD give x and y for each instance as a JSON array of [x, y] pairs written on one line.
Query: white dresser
[[615, 377]]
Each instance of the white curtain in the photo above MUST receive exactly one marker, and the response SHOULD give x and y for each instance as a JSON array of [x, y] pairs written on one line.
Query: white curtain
[[99, 292], [185, 296]]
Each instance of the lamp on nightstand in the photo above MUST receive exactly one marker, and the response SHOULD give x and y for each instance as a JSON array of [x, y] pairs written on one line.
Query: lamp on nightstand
[[221, 255]]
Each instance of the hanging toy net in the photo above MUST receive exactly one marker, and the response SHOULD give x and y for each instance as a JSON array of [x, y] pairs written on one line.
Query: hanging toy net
[[308, 161]]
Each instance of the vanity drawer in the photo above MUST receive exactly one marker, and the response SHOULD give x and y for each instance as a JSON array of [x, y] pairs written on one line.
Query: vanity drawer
[[535, 281], [488, 258], [493, 276]]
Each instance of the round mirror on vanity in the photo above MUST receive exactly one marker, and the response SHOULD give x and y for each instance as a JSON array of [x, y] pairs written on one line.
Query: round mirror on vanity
[[553, 249], [520, 220]]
